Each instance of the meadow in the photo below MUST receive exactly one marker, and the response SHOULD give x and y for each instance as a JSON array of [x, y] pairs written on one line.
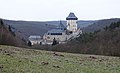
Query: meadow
[[23, 60]]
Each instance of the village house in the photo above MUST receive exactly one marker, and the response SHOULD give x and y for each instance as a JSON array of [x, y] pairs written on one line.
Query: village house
[[35, 39]]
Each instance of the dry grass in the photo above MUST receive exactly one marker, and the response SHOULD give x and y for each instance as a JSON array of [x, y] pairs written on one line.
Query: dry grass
[[22, 60]]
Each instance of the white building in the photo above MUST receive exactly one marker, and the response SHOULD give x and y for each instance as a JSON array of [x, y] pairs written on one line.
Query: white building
[[35, 39], [58, 34], [72, 22], [62, 33]]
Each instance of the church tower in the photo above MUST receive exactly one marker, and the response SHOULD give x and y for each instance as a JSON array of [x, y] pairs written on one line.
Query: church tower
[[72, 22]]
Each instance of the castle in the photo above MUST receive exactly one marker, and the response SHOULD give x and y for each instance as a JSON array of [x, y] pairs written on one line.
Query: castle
[[62, 33]]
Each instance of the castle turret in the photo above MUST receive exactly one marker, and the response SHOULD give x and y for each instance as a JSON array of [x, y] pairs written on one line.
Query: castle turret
[[72, 22]]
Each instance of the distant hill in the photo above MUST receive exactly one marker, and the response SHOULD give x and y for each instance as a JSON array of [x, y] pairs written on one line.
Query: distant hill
[[28, 28], [81, 23], [100, 24]]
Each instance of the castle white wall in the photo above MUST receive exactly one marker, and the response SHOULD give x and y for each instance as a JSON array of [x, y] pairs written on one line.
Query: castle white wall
[[60, 38], [72, 25]]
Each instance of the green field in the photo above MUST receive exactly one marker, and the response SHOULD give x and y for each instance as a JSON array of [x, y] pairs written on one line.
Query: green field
[[21, 60]]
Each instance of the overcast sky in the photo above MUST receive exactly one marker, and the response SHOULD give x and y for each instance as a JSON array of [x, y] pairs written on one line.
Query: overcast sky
[[47, 10]]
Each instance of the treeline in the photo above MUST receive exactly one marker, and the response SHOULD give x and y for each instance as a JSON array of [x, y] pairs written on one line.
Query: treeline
[[113, 26], [101, 42], [7, 36]]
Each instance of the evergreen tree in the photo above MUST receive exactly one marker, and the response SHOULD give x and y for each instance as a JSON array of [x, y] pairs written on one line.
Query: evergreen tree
[[54, 42], [29, 43], [9, 27], [1, 21], [106, 28]]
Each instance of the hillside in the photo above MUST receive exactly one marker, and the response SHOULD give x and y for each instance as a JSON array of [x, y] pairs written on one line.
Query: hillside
[[9, 37], [100, 24], [28, 28], [22, 60]]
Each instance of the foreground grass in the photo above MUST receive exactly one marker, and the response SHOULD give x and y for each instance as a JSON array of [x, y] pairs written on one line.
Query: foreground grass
[[21, 60]]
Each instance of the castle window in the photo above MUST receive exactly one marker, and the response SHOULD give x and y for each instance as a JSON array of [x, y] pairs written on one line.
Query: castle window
[[56, 33], [48, 33]]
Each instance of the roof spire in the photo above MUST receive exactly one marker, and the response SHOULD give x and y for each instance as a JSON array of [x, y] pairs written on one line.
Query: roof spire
[[61, 26]]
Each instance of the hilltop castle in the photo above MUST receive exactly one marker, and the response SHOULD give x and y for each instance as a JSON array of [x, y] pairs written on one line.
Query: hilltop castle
[[62, 33]]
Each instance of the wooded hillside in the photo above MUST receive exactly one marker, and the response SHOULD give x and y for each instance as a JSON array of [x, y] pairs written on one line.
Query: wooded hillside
[[7, 36], [102, 42]]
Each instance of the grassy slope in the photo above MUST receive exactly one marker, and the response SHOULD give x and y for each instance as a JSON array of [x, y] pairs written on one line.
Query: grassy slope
[[20, 60]]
